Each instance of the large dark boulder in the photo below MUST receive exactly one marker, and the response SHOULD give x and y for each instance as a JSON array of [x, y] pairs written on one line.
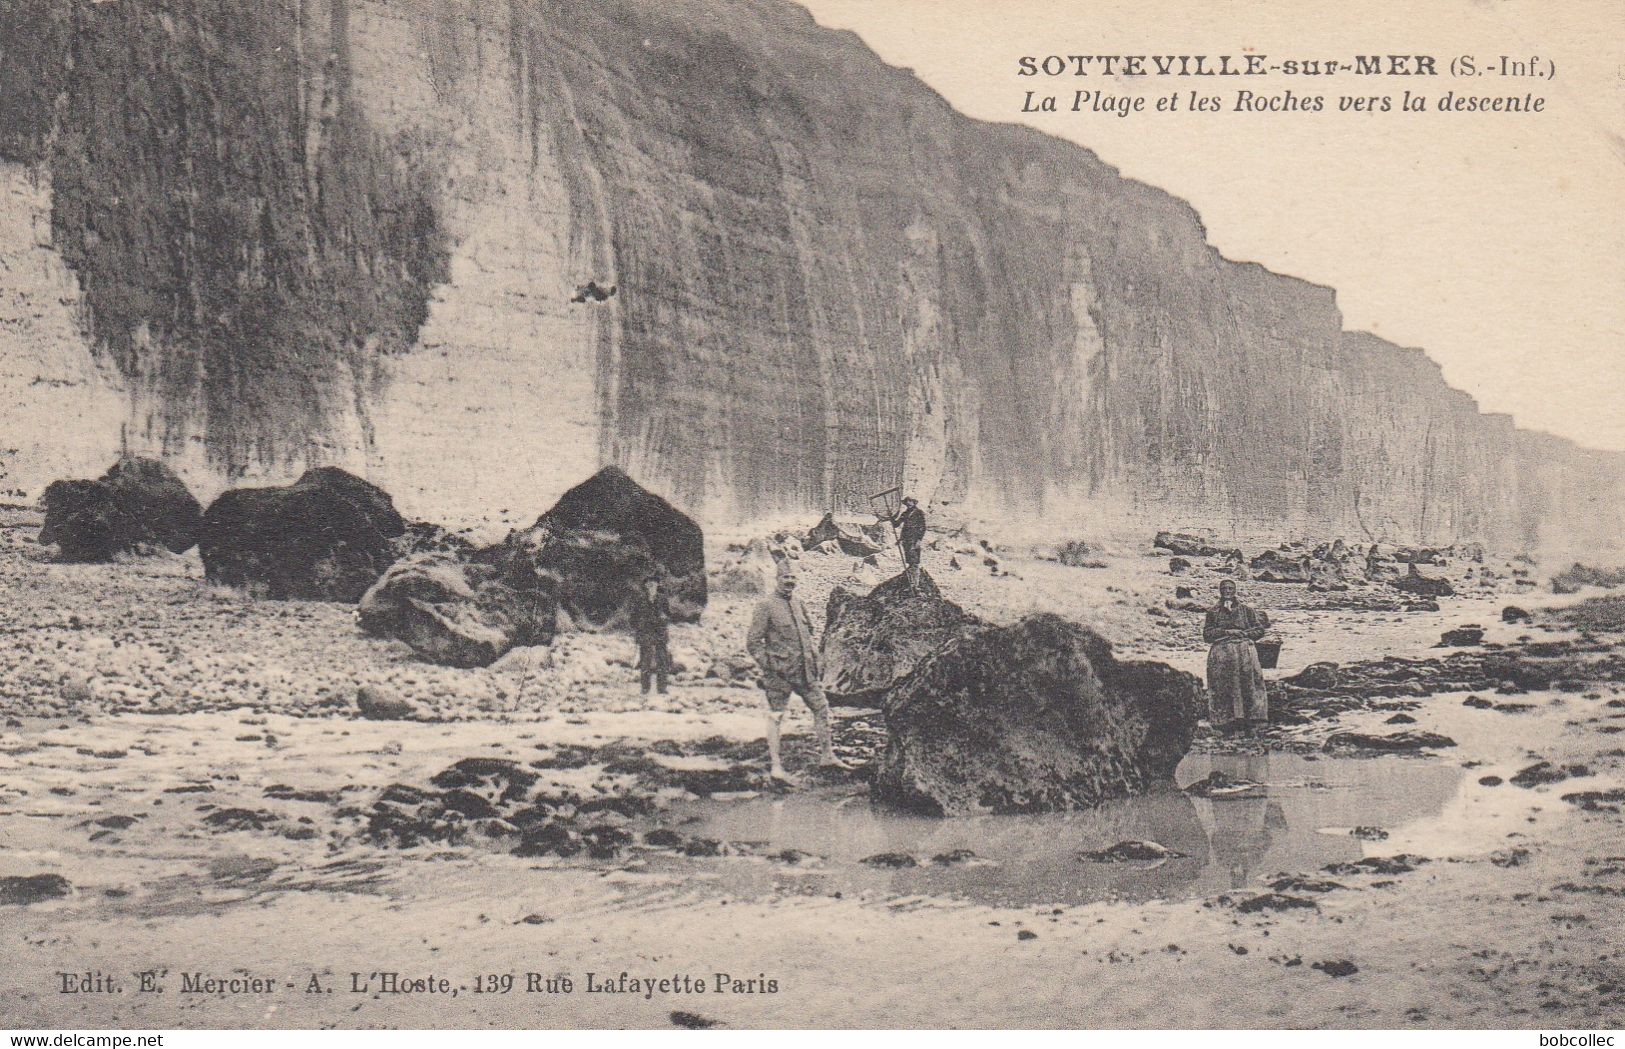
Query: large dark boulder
[[595, 545], [1033, 717], [872, 642], [326, 537], [137, 506], [454, 612]]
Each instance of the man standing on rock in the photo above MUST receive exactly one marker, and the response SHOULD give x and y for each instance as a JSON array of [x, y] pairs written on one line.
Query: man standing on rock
[[650, 616], [1236, 696], [911, 520], [781, 643]]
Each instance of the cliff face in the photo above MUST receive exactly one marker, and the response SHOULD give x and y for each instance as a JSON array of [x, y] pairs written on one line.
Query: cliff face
[[348, 231]]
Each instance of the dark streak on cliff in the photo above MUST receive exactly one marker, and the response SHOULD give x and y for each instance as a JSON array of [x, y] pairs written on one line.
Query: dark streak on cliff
[[246, 243]]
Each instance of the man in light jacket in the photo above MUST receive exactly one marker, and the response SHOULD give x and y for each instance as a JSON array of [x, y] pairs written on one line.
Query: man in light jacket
[[781, 643]]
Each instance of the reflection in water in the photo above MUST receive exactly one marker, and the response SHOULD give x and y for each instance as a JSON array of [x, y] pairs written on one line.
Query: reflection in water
[[1243, 827], [1227, 843]]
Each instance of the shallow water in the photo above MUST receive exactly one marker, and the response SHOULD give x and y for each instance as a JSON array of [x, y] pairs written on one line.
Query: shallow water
[[1300, 824]]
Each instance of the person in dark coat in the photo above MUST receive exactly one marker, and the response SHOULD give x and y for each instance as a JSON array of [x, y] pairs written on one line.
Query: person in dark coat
[[910, 521], [1236, 696], [650, 615]]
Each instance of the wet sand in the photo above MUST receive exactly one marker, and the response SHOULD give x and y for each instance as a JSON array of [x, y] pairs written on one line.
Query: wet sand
[[143, 703]]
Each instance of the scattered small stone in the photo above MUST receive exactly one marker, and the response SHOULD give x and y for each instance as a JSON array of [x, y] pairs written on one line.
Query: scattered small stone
[[693, 1021], [374, 703], [1026, 934], [1544, 772], [239, 819], [663, 838], [795, 857], [33, 888], [1218, 784], [1403, 863], [467, 803], [1341, 967], [1490, 781], [1597, 800], [283, 792], [890, 859], [1274, 901], [1406, 740], [1302, 883], [1513, 857], [1369, 833], [953, 856], [548, 838], [1127, 851]]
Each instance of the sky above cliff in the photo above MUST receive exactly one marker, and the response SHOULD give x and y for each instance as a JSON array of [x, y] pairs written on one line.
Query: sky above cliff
[[1494, 241]]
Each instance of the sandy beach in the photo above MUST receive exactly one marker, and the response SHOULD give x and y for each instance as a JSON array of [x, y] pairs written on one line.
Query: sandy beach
[[191, 762]]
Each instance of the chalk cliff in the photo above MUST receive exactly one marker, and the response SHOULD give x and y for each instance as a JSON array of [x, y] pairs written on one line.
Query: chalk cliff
[[252, 237]]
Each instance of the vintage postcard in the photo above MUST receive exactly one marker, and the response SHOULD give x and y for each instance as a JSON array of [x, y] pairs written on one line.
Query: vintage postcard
[[661, 514]]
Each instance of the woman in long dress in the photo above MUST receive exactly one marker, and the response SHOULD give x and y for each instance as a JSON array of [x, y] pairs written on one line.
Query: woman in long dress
[[1236, 696]]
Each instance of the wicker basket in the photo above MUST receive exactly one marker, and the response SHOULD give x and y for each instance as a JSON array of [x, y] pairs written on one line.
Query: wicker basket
[[1269, 653]]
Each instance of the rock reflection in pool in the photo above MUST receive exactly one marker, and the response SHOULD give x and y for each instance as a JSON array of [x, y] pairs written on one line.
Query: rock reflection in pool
[[1228, 843]]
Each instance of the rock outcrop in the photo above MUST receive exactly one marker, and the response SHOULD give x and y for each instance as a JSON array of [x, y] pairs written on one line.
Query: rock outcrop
[[326, 537], [1187, 545], [456, 612], [137, 506], [874, 641], [1033, 717], [367, 256], [594, 547], [1277, 566], [851, 539], [1414, 582]]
